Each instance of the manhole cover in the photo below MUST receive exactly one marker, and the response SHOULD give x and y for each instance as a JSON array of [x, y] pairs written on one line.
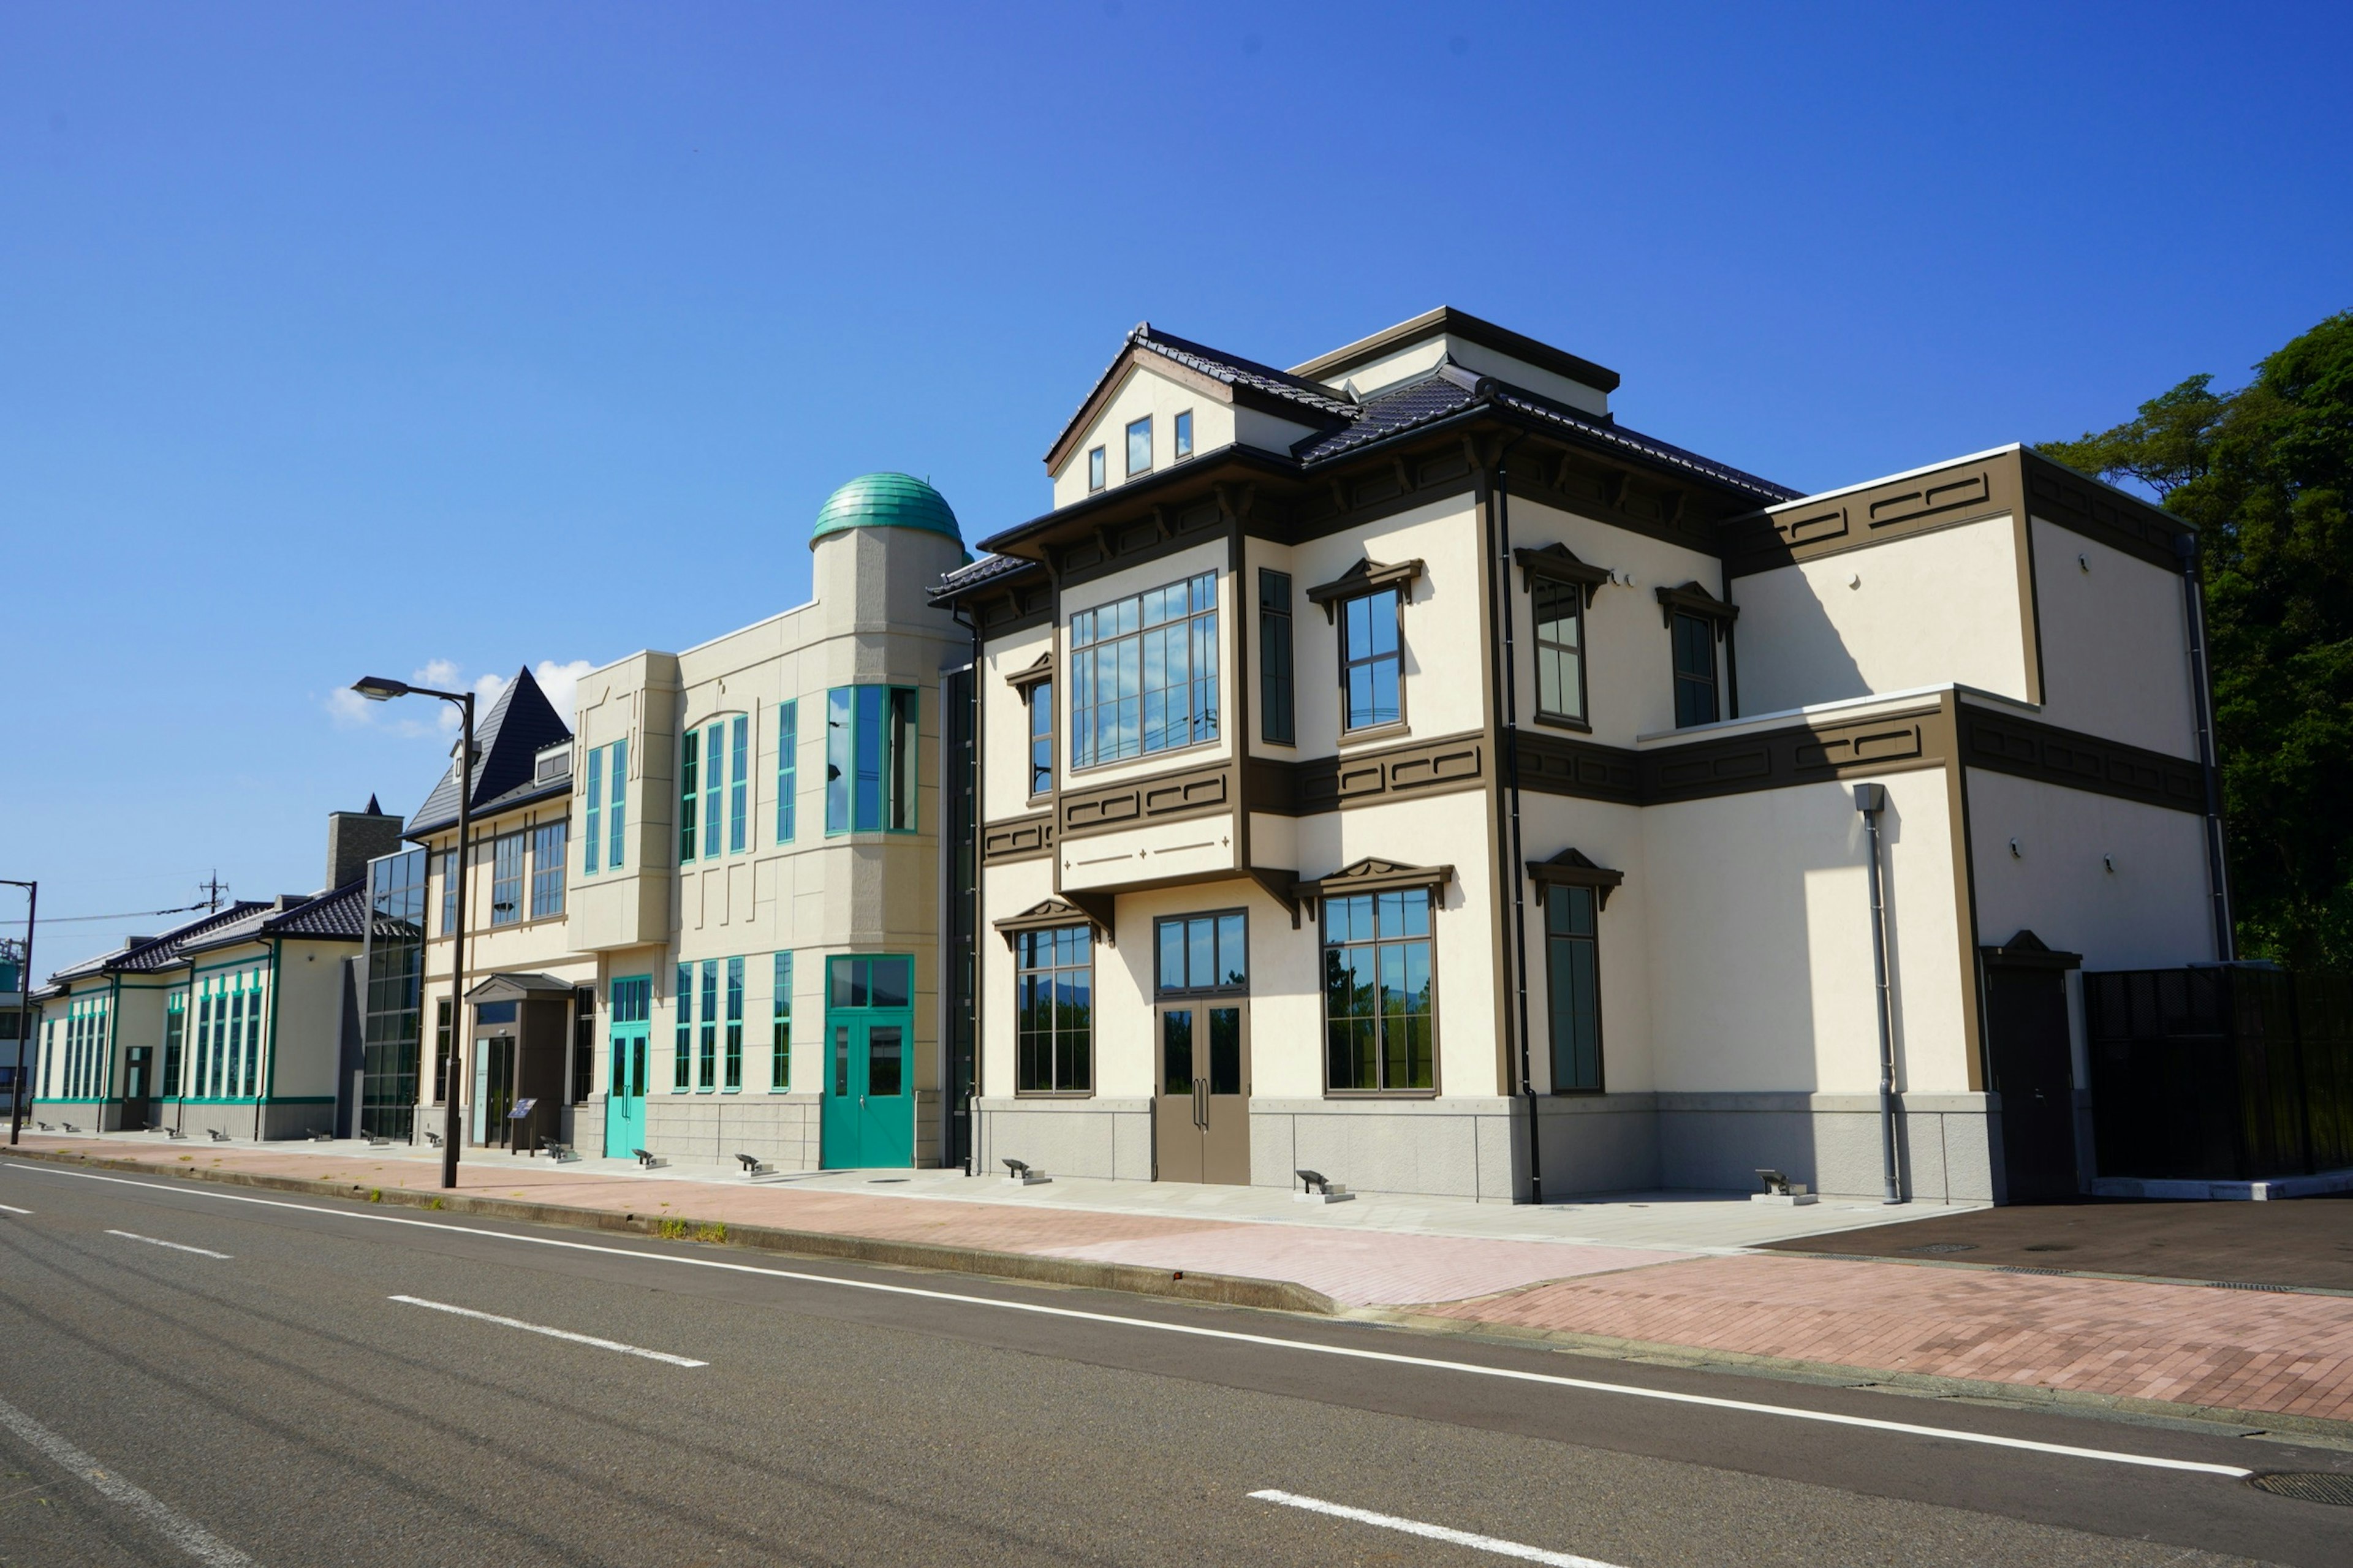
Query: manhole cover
[[1945, 1247], [2307, 1485]]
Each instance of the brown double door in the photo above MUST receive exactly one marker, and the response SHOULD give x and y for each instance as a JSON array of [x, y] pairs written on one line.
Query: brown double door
[[1201, 1115]]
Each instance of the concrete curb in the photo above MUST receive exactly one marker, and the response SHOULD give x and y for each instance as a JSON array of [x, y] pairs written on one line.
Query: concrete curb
[[1184, 1284], [2022, 1395]]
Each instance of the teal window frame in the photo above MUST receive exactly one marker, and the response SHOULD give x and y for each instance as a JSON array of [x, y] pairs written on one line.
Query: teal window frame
[[714, 786], [780, 1030], [592, 811], [548, 849], [175, 1042], [707, 1056], [682, 1045], [690, 792], [872, 752], [739, 784], [731, 1062], [788, 742], [616, 805]]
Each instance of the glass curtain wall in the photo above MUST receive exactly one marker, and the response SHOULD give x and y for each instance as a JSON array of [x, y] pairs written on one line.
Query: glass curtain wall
[[394, 963]]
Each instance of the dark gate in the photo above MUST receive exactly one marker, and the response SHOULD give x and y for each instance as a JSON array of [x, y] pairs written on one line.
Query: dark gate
[[2030, 1064]]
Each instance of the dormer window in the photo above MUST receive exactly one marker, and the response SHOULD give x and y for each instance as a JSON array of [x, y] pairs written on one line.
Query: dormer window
[[1095, 475], [1139, 446], [1185, 434]]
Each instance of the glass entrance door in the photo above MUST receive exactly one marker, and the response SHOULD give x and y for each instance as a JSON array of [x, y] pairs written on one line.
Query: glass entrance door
[[1201, 1114], [869, 1116], [629, 1011], [135, 1089], [494, 1070]]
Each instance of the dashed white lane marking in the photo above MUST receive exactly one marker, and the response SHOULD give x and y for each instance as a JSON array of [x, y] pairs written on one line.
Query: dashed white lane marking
[[1193, 1331], [12, 1208], [167, 1521], [550, 1333], [1496, 1544], [174, 1245]]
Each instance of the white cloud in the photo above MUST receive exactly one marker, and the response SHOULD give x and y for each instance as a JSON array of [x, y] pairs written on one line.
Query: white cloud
[[562, 684], [350, 710]]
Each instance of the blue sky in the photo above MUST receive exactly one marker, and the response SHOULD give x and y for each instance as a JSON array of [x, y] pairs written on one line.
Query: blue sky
[[345, 338]]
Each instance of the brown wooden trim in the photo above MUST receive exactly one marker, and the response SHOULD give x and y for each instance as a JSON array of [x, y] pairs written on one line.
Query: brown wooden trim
[[1559, 563], [1373, 875], [2058, 494], [1153, 797], [1017, 838], [1970, 971], [1049, 914], [1022, 680], [1693, 599], [1362, 778], [1772, 759], [1571, 869], [1556, 764], [2028, 747], [1366, 576]]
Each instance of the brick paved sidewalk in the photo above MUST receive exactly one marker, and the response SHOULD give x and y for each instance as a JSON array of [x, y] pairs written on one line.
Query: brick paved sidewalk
[[2286, 1354]]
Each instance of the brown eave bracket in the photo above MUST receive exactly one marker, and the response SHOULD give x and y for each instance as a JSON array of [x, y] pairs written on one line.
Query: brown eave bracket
[[1559, 563], [1693, 600], [1570, 868], [1372, 875], [1280, 885], [1366, 576], [1023, 679]]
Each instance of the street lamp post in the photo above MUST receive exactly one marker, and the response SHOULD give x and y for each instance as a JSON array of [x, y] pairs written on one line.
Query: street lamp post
[[24, 1010], [378, 688]]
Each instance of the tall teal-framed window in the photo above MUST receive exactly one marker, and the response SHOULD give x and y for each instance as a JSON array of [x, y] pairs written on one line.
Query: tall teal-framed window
[[593, 812], [733, 1062], [871, 761], [617, 803], [708, 1058], [714, 787], [682, 1051], [690, 791], [788, 745], [738, 784], [780, 1026], [175, 1039], [547, 852], [86, 1049]]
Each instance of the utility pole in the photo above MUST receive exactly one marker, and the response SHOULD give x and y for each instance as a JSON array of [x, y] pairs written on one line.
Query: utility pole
[[24, 1010], [213, 889]]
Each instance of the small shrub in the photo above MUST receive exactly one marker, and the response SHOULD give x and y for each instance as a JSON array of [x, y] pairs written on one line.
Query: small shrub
[[437, 1204], [717, 1233], [672, 1230]]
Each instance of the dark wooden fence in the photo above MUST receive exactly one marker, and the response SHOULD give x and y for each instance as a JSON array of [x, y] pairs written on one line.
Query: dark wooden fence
[[2228, 1073]]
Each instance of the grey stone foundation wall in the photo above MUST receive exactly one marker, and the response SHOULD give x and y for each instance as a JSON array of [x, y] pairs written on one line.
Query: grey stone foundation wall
[[780, 1129], [1466, 1148], [1944, 1142], [1108, 1138]]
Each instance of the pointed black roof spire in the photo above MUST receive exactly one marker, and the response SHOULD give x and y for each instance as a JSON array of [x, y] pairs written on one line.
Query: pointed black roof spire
[[372, 808]]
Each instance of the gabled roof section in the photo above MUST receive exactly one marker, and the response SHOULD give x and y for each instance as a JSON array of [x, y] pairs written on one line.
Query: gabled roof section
[[1451, 322], [1239, 380], [150, 953], [506, 741]]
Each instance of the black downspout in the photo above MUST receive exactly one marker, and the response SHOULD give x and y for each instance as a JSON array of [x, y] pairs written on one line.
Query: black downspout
[[972, 826], [2193, 603], [1515, 862]]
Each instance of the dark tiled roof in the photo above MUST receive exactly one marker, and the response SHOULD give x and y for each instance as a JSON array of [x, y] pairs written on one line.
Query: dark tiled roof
[[337, 916], [1609, 433], [1236, 371], [164, 950], [986, 569], [508, 738], [1434, 396]]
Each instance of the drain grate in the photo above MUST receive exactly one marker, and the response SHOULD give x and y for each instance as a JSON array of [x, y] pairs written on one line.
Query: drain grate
[[1944, 1246], [2307, 1485], [2020, 1269], [2243, 1285]]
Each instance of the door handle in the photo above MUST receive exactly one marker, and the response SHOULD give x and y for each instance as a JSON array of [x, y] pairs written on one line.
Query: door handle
[[1200, 1103]]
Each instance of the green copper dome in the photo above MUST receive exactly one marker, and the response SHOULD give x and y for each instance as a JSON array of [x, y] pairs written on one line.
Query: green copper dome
[[886, 500]]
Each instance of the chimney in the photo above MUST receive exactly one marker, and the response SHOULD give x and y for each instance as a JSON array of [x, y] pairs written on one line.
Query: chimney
[[357, 837]]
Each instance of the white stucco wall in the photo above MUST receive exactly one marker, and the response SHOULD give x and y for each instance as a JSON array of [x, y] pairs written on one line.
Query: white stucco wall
[[1142, 392], [1758, 923], [2150, 911], [2115, 644], [1931, 609]]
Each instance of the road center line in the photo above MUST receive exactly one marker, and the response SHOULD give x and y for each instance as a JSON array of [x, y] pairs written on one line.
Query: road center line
[[174, 1245], [550, 1333], [168, 1521], [1496, 1544], [12, 1208], [1352, 1353]]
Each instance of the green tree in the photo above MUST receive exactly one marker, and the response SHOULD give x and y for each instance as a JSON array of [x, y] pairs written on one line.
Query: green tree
[[2265, 473]]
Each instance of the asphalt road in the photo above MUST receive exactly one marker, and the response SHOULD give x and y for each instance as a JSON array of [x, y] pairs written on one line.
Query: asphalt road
[[306, 1397]]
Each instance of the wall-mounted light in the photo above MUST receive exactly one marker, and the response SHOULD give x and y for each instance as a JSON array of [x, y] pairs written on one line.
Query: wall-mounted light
[[2014, 850], [2110, 862], [2084, 562], [1855, 580]]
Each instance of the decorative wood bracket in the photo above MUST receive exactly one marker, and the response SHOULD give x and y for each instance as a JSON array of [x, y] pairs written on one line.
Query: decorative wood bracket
[[1366, 576], [1693, 600], [1559, 563], [1025, 680], [1570, 868], [1280, 885], [1075, 908], [1373, 875]]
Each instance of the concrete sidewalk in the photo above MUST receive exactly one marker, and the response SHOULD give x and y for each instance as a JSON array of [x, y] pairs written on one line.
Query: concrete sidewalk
[[1644, 1271]]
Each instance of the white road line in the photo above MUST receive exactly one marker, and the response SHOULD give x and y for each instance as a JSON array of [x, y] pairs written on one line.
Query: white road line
[[1353, 1353], [1496, 1544], [12, 1208], [176, 1247], [550, 1333], [168, 1521]]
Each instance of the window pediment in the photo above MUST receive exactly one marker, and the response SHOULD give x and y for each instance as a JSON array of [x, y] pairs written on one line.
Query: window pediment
[[1366, 576], [1025, 680], [1693, 599], [1559, 563], [1572, 868], [1373, 875], [1050, 913]]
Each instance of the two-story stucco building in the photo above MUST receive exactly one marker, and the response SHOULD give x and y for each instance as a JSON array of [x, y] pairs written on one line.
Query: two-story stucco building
[[1396, 767]]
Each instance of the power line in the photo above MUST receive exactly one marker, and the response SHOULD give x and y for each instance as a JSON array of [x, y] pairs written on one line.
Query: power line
[[128, 915]]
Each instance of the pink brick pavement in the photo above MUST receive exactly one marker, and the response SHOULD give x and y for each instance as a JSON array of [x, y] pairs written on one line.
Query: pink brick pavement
[[2185, 1344]]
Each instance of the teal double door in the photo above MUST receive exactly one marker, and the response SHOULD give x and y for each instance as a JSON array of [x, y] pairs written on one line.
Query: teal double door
[[868, 1117], [630, 1012]]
